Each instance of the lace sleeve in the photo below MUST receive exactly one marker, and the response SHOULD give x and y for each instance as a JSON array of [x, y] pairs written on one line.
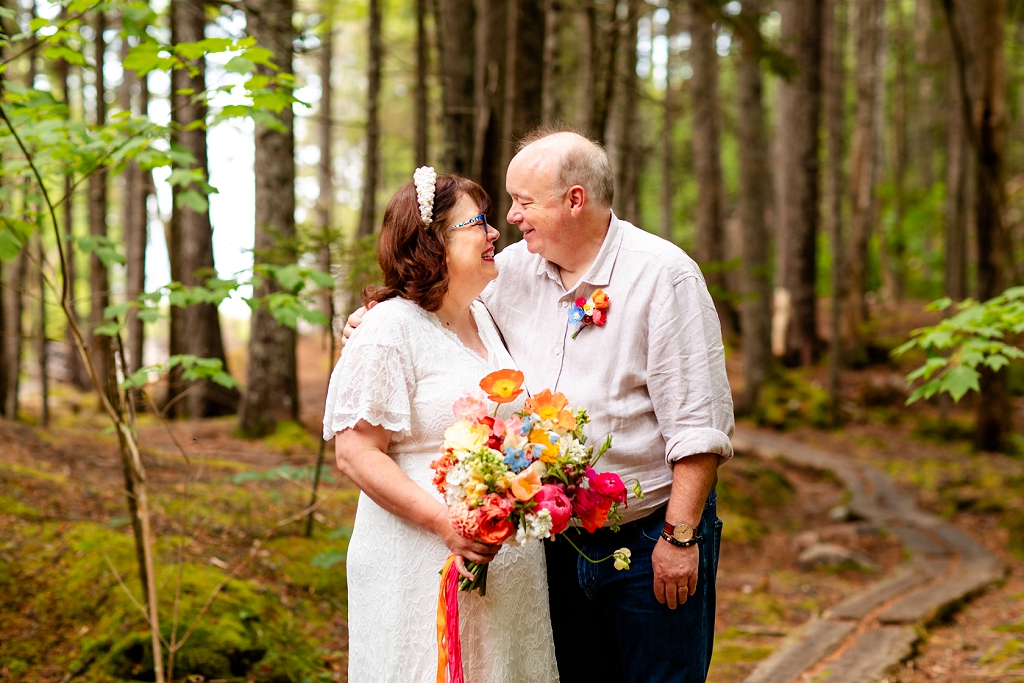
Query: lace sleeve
[[373, 380]]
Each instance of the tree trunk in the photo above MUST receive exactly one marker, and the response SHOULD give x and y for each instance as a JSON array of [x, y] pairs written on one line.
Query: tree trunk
[[325, 173], [924, 111], [489, 79], [271, 388], [74, 370], [14, 308], [801, 178], [669, 115], [621, 135], [783, 161], [958, 162], [897, 239], [549, 109], [707, 156], [371, 166], [137, 185], [868, 22], [835, 116], [201, 322], [754, 191], [420, 140], [524, 69], [456, 46], [98, 279], [986, 21], [589, 67]]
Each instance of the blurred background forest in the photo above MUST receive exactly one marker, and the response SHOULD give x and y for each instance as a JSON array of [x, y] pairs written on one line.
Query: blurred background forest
[[198, 219]]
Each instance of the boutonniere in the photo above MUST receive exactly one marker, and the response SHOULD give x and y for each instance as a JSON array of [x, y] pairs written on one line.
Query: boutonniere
[[592, 311]]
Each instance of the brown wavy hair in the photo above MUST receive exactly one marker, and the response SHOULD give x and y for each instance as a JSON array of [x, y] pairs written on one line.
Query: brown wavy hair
[[412, 255]]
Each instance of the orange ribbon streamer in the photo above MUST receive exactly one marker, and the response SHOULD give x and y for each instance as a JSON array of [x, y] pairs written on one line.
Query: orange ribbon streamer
[[449, 645]]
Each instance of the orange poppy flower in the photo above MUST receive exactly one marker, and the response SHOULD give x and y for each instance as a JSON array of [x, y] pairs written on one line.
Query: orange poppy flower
[[547, 405], [549, 452], [600, 299], [503, 386]]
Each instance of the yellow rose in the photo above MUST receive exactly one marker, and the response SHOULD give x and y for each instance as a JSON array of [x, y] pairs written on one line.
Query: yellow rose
[[464, 435]]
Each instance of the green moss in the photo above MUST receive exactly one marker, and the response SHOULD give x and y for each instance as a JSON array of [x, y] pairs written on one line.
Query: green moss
[[790, 400], [291, 437], [9, 506], [740, 529]]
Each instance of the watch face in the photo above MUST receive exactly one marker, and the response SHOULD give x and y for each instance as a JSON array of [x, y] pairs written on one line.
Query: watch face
[[682, 533]]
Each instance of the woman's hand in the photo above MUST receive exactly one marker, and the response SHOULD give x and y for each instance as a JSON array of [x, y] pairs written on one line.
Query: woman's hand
[[463, 548], [353, 321]]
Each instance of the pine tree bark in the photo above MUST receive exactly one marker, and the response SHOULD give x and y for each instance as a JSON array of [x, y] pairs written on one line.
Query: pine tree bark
[[524, 70], [707, 155], [669, 116], [325, 171], [801, 179], [135, 219], [549, 101], [99, 345], [621, 135], [490, 74], [74, 369], [14, 310], [783, 209], [201, 333], [868, 46], [755, 189], [835, 116], [958, 164], [371, 163], [271, 388], [456, 46], [897, 239], [420, 139]]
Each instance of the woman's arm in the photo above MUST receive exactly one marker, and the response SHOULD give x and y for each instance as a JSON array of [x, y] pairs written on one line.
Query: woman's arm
[[362, 457]]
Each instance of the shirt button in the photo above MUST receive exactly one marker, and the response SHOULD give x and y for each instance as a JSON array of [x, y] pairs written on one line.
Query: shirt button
[[565, 304]]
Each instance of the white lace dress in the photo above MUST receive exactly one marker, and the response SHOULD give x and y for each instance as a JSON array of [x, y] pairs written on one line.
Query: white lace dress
[[403, 370]]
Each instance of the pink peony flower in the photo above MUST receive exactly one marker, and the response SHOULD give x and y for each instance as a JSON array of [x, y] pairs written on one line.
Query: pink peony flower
[[551, 498], [607, 484], [470, 407]]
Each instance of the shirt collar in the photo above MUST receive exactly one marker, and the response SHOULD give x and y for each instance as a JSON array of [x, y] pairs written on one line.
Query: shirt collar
[[600, 272]]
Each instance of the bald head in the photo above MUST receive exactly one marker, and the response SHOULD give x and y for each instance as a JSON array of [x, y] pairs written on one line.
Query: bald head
[[567, 159]]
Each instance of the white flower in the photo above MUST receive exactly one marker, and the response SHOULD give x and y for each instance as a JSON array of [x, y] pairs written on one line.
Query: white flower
[[622, 556], [425, 178]]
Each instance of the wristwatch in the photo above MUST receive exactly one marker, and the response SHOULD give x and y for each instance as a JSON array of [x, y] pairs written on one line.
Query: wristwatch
[[681, 535]]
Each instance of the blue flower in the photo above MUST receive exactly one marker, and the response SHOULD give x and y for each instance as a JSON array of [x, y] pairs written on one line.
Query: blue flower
[[575, 315], [527, 426], [516, 460]]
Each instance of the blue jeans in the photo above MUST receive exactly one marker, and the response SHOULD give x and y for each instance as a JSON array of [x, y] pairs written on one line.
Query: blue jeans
[[608, 626]]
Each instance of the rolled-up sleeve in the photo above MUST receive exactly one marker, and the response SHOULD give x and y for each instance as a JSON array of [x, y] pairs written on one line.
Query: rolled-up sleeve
[[686, 374]]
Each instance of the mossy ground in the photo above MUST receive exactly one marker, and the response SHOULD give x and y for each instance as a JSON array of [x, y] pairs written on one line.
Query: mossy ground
[[63, 518]]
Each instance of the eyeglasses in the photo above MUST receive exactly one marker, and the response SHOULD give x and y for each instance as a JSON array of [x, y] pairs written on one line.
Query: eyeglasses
[[481, 219]]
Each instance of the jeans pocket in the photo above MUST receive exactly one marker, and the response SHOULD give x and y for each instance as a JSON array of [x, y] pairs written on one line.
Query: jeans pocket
[[650, 528]]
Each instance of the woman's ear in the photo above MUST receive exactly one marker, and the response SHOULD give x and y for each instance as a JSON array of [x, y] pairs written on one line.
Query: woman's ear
[[577, 200]]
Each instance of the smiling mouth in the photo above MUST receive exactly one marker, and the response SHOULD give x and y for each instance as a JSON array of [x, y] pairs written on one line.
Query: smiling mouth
[[488, 255]]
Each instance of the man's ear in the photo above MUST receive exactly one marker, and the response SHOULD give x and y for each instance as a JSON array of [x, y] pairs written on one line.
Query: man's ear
[[577, 200]]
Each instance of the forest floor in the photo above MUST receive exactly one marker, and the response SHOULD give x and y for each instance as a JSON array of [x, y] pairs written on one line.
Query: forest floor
[[62, 515]]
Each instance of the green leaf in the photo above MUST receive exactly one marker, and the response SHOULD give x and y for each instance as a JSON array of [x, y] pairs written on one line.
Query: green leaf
[[225, 380], [321, 278], [958, 381], [193, 200], [10, 245], [997, 361], [108, 329], [56, 52], [240, 65], [149, 315]]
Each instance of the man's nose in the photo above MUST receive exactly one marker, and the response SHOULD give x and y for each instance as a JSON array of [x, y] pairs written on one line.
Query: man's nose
[[514, 216]]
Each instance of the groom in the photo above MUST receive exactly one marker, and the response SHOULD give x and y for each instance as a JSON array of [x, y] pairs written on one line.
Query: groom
[[654, 376]]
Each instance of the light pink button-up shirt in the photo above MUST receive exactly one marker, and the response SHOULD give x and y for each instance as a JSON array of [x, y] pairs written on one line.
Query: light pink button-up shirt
[[653, 376]]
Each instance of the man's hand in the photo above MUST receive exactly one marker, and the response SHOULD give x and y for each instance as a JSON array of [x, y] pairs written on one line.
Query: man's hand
[[353, 322], [675, 572]]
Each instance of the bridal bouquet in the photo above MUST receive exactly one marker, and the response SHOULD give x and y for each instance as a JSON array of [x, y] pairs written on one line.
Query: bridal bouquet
[[524, 478]]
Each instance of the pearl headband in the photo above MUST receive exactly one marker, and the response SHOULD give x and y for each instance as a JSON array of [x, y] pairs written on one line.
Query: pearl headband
[[425, 177]]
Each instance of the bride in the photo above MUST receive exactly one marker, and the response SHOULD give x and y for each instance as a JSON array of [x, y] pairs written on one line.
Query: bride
[[390, 400]]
